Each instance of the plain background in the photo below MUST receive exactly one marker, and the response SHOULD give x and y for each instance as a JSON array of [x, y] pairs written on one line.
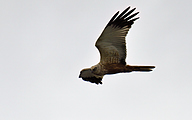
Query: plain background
[[44, 44]]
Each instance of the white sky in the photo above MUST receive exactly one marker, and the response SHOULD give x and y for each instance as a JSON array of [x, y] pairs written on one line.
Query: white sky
[[44, 45]]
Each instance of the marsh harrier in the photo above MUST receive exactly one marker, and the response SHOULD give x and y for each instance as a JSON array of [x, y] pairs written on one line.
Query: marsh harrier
[[112, 47]]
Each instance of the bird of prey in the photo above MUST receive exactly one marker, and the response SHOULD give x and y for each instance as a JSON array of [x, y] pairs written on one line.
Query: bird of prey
[[112, 47]]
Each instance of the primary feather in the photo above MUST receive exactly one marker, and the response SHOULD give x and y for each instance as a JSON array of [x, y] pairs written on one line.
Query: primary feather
[[111, 43]]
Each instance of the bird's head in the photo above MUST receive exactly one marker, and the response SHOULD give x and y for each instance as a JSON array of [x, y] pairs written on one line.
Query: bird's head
[[88, 75]]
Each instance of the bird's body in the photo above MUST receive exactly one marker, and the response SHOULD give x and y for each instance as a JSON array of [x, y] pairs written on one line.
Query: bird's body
[[112, 47]]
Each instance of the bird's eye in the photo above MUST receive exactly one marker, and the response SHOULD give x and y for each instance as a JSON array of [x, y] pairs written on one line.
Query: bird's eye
[[94, 69]]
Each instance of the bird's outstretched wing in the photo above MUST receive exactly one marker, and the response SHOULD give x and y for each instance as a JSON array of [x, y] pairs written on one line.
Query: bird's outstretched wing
[[111, 43]]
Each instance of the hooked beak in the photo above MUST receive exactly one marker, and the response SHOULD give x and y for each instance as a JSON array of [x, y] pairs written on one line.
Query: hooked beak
[[80, 76]]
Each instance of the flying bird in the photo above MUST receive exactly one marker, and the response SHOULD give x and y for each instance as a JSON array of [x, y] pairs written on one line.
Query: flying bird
[[112, 47]]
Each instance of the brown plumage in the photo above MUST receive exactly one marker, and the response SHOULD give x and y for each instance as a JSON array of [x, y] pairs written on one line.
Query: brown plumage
[[112, 47]]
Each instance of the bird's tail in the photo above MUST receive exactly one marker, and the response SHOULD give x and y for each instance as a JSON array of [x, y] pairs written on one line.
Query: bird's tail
[[140, 68]]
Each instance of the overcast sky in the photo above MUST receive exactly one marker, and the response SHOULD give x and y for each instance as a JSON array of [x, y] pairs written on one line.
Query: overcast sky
[[44, 45]]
